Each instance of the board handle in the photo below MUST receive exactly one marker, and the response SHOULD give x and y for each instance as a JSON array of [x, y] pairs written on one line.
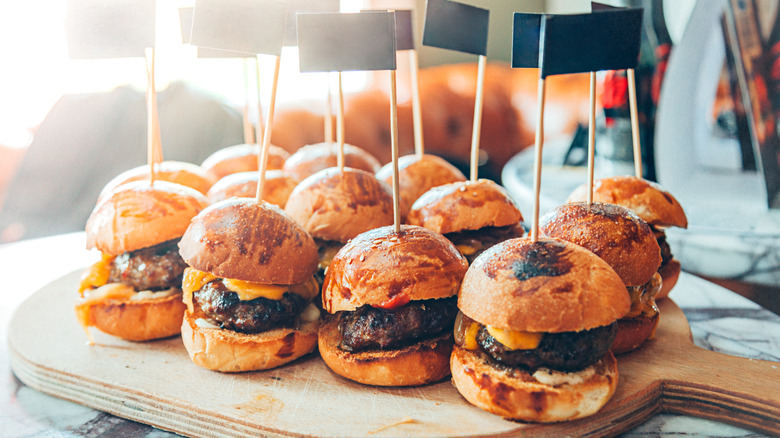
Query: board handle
[[699, 388]]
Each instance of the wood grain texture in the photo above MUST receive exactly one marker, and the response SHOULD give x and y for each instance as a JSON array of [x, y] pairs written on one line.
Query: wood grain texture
[[157, 384]]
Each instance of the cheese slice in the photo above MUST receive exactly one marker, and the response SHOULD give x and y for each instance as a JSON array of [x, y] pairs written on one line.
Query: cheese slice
[[470, 337], [96, 275], [516, 340], [466, 250]]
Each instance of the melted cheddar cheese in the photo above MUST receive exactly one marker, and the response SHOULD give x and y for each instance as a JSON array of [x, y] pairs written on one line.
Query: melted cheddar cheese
[[466, 250], [470, 337], [514, 339], [643, 298], [96, 275]]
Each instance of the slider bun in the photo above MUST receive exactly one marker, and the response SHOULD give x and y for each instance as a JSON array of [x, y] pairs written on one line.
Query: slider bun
[[312, 158], [633, 332], [242, 158], [463, 206], [645, 198], [417, 364], [416, 175], [278, 186], [232, 352], [179, 172], [381, 267], [515, 394], [611, 232], [137, 215], [336, 205], [670, 273], [137, 320], [547, 286], [243, 240]]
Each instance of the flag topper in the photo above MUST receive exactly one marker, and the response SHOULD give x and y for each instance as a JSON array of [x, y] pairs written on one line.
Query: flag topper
[[456, 26], [345, 42], [117, 29], [249, 26], [302, 7], [185, 24]]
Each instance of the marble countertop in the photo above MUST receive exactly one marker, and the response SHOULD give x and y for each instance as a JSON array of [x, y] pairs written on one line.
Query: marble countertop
[[720, 320]]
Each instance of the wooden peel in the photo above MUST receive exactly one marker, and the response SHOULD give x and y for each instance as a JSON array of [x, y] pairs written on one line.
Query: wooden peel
[[143, 382]]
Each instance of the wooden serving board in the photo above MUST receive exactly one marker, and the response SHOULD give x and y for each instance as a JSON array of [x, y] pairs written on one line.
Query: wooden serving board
[[156, 383]]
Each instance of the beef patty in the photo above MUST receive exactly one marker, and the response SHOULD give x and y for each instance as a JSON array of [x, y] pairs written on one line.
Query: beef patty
[[153, 268]]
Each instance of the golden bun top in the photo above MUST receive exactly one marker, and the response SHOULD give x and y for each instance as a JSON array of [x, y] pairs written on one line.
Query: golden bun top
[[386, 269], [418, 174], [336, 205], [312, 158], [544, 286], [278, 186], [611, 232], [242, 158], [138, 215], [645, 198], [243, 240], [466, 205], [179, 172]]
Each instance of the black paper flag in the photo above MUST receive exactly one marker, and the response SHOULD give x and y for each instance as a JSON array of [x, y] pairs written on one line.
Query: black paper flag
[[526, 30], [301, 7], [109, 29], [344, 42], [249, 26], [456, 26]]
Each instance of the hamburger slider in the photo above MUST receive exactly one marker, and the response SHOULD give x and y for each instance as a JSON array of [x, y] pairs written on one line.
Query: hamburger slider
[[179, 172], [278, 186], [536, 323], [334, 206], [392, 299], [418, 174], [628, 245], [652, 204], [134, 291], [312, 158], [474, 215], [241, 158], [249, 287]]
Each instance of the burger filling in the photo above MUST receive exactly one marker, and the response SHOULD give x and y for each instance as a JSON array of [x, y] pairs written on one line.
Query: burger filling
[[666, 251], [530, 351], [245, 307], [643, 298], [375, 328], [472, 243], [327, 250]]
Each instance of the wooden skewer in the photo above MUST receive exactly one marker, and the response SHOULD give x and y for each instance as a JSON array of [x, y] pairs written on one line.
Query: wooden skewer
[[340, 126], [394, 147], [419, 145], [249, 132], [591, 135], [634, 122], [477, 129], [538, 160], [329, 114], [151, 153], [259, 129], [267, 132]]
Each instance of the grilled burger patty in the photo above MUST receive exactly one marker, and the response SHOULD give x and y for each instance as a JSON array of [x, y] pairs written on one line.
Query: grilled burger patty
[[472, 243], [251, 316], [567, 351], [374, 328], [154, 268]]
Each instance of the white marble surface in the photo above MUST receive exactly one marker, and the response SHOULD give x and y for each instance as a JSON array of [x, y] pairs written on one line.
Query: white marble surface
[[720, 320]]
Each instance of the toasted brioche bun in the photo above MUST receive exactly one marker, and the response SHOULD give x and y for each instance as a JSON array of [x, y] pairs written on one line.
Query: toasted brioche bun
[[179, 172], [278, 186], [611, 232], [310, 159], [241, 158], [465, 205], [633, 332], [417, 364], [339, 205], [518, 395], [547, 286], [645, 198], [137, 215], [418, 174], [133, 319], [383, 268], [670, 272], [244, 240], [231, 352]]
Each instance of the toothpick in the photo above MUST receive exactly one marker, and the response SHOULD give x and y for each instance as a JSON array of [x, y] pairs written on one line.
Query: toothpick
[[634, 122], [394, 147], [329, 114], [267, 134], [477, 129], [153, 141], [259, 100], [249, 132], [419, 145], [340, 126], [591, 135], [538, 159]]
